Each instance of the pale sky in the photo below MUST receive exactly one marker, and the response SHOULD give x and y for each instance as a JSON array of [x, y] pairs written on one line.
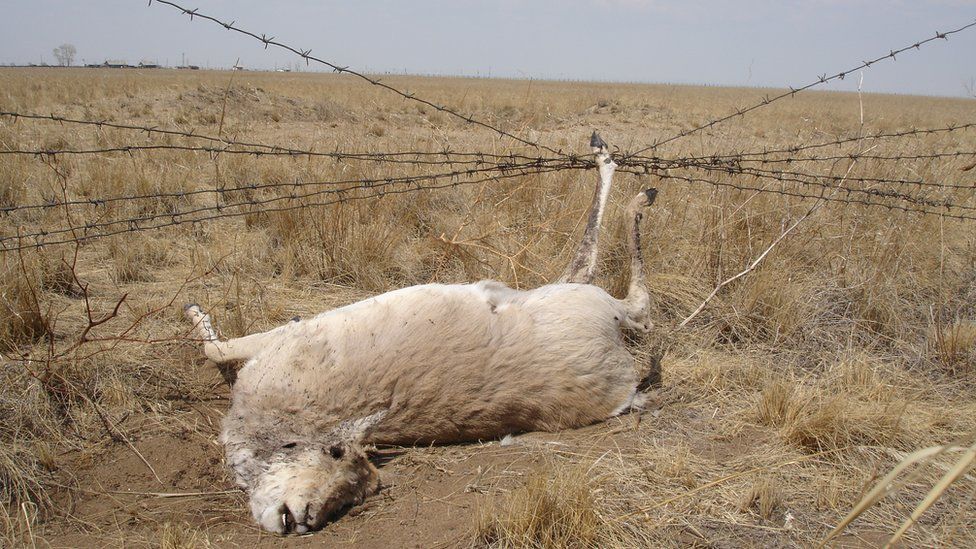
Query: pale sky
[[718, 42]]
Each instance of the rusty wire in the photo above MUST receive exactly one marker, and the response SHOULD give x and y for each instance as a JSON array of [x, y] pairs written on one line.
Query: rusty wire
[[795, 149], [736, 167], [383, 186], [493, 167], [943, 213], [831, 182], [822, 79], [232, 146], [892, 200], [96, 202], [308, 57]]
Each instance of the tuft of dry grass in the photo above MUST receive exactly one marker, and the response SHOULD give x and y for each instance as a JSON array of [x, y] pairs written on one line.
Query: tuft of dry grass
[[954, 346], [840, 412], [181, 536], [23, 317], [765, 497], [554, 508]]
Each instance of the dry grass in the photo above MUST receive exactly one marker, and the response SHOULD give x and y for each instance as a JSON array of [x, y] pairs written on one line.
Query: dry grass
[[848, 348], [555, 508]]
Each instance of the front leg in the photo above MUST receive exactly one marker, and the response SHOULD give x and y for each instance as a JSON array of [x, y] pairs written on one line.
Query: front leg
[[241, 348]]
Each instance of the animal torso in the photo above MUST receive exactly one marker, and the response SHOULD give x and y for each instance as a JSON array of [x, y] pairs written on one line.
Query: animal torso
[[448, 362]]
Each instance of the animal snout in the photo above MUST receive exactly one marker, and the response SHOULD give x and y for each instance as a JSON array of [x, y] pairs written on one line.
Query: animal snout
[[298, 515], [295, 516]]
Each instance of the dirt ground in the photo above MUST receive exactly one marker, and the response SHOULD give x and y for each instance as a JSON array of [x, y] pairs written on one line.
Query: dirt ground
[[430, 497]]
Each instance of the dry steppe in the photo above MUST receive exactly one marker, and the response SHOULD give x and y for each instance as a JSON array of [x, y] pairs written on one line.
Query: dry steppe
[[850, 346]]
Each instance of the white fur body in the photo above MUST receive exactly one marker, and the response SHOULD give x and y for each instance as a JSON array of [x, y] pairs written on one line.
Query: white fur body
[[446, 362]]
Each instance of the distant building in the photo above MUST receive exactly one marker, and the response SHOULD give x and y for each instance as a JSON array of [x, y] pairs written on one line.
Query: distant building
[[146, 65], [117, 64], [189, 67]]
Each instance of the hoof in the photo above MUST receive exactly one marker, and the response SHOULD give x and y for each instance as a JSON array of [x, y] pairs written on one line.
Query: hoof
[[596, 141], [651, 194], [192, 312], [296, 319]]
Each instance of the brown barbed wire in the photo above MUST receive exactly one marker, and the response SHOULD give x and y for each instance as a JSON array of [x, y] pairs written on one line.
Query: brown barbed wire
[[822, 79], [735, 167], [801, 195], [873, 197], [521, 164], [263, 148], [793, 150], [558, 164], [830, 181], [308, 57], [392, 158], [655, 166], [858, 156], [40, 238]]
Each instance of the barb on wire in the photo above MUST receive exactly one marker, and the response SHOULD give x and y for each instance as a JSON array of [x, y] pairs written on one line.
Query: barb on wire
[[855, 156], [382, 186], [97, 202], [446, 156], [736, 167], [793, 150], [796, 194], [308, 57], [823, 79], [822, 181]]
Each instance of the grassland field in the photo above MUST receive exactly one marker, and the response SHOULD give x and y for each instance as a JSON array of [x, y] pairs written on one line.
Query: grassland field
[[851, 345]]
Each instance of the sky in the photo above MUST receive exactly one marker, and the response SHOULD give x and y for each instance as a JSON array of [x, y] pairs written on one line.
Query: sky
[[715, 42]]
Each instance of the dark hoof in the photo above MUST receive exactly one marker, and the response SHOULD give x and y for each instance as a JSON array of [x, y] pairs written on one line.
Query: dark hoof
[[296, 319], [651, 195], [596, 141]]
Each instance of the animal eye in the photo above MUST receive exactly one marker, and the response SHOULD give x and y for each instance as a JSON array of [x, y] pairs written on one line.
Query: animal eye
[[336, 452], [289, 446]]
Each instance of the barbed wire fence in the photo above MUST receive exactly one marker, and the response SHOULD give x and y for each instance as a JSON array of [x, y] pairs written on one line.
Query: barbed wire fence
[[794, 170]]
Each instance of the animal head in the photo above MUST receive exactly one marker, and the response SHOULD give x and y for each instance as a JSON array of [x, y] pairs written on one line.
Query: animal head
[[302, 483]]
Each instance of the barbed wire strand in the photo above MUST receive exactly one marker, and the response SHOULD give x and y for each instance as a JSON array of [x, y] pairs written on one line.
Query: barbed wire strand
[[735, 167], [265, 149], [308, 57], [822, 79], [857, 156], [561, 164], [795, 149], [381, 185], [797, 194], [40, 238], [821, 181]]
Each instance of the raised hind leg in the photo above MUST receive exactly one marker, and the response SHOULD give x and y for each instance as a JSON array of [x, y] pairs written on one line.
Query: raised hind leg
[[582, 268], [241, 348], [638, 300]]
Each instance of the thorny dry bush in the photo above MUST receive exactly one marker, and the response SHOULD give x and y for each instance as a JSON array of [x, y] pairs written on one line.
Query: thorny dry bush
[[851, 345]]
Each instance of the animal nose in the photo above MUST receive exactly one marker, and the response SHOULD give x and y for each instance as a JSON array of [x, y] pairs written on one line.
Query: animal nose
[[297, 519], [288, 520]]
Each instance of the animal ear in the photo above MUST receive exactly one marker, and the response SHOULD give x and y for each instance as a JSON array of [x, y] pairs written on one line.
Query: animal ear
[[355, 430]]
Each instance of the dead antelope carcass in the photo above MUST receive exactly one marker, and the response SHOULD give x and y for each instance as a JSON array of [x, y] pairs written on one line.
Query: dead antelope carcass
[[436, 363]]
